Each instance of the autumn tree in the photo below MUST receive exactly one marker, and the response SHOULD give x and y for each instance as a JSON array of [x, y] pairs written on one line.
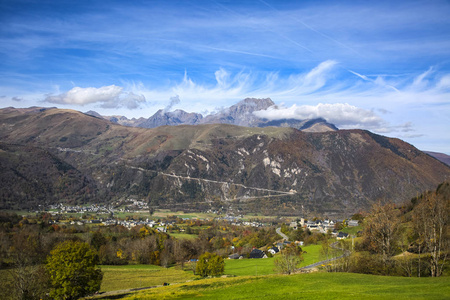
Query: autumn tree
[[210, 264], [431, 221], [381, 230], [72, 267], [289, 259]]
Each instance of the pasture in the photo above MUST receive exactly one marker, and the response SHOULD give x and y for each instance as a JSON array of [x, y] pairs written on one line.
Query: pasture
[[139, 276], [304, 286], [265, 266]]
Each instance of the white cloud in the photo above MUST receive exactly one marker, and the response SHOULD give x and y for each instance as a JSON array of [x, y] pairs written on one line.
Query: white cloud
[[444, 83], [419, 81], [173, 101], [107, 96], [379, 103], [342, 115], [233, 87], [348, 99]]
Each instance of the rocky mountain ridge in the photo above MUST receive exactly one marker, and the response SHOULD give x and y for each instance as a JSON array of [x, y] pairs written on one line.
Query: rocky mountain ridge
[[240, 114]]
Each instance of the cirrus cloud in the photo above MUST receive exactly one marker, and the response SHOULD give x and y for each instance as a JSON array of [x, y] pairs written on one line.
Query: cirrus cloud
[[111, 96]]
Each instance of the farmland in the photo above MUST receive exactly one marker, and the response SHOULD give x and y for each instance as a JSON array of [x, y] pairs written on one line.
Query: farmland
[[304, 286], [139, 276]]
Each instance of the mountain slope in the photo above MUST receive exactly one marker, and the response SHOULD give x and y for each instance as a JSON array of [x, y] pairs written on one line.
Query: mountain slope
[[269, 169], [32, 176], [440, 156], [314, 125]]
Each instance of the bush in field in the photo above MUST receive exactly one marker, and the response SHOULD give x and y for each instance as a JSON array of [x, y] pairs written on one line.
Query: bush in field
[[210, 264], [72, 270]]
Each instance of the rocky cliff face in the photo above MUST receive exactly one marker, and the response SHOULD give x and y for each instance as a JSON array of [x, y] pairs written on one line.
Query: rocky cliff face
[[177, 117], [241, 113], [272, 170]]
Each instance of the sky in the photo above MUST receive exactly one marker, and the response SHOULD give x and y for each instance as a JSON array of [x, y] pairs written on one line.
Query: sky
[[383, 66]]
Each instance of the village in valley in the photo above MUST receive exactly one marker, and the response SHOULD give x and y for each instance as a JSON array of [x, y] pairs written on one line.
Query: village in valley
[[134, 213]]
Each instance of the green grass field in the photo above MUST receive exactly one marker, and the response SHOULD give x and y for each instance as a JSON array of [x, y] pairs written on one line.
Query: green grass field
[[352, 230], [138, 276], [312, 254], [184, 236], [249, 267], [265, 266], [304, 286], [163, 213]]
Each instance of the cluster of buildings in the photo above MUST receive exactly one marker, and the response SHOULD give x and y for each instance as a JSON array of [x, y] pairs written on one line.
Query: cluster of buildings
[[160, 226], [125, 206], [325, 226], [93, 208], [237, 221]]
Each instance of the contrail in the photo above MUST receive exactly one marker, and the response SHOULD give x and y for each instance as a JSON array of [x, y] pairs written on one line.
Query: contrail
[[268, 29], [312, 29], [364, 77]]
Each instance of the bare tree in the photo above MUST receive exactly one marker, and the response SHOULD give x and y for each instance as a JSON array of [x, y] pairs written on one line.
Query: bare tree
[[289, 259], [381, 230], [406, 261], [184, 250], [167, 254], [27, 277], [431, 220]]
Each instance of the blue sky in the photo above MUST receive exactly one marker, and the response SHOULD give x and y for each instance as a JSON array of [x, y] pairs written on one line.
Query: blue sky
[[377, 65]]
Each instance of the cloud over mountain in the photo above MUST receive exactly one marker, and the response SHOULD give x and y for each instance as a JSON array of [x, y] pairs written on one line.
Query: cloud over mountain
[[341, 114]]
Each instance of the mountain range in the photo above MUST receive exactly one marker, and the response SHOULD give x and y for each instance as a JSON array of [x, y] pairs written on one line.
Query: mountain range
[[241, 114], [50, 155]]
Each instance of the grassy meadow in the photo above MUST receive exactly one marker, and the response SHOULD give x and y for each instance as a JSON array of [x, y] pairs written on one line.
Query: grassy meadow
[[249, 267], [257, 267], [139, 276], [184, 236], [304, 286]]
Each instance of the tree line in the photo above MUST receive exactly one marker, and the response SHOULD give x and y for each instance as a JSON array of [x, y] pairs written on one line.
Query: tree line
[[412, 239]]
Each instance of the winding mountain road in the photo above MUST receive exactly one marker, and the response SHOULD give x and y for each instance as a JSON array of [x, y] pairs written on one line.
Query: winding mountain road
[[278, 230], [280, 193]]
